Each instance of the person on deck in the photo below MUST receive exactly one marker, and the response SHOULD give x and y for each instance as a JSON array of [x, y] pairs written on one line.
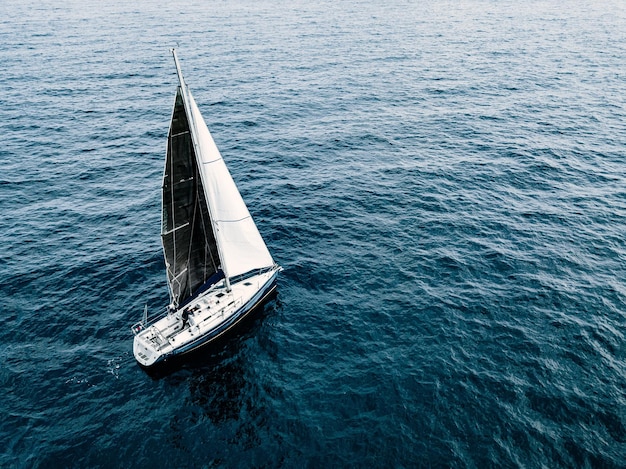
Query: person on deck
[[185, 317]]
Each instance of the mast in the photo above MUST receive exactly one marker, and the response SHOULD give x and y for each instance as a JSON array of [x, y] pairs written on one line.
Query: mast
[[198, 151]]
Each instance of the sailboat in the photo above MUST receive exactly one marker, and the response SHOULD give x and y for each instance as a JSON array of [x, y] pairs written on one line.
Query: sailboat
[[218, 266]]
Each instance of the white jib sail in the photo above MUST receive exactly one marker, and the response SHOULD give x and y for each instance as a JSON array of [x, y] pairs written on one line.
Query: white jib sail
[[242, 248]]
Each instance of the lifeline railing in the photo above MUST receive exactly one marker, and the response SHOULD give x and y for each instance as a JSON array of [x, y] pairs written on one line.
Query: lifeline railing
[[147, 322]]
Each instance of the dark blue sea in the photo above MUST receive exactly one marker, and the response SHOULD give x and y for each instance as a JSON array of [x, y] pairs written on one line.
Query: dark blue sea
[[444, 183]]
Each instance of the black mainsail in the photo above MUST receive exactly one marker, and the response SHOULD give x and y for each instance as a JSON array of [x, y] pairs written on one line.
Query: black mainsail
[[190, 249]]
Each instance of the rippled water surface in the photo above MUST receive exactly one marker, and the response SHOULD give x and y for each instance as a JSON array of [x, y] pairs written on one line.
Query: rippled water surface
[[444, 183]]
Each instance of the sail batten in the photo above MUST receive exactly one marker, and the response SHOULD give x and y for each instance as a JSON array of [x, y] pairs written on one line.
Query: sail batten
[[175, 229]]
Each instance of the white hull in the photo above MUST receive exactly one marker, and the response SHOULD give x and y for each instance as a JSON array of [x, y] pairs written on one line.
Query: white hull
[[211, 314]]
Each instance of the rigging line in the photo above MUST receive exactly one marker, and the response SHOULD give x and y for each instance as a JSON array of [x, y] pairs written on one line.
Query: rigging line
[[172, 216], [207, 231], [193, 226], [202, 226]]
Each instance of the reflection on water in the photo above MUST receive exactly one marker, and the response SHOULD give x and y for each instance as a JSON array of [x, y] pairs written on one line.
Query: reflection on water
[[223, 391]]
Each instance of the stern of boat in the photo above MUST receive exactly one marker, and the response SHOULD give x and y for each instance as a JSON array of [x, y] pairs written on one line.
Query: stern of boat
[[151, 343], [145, 354]]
